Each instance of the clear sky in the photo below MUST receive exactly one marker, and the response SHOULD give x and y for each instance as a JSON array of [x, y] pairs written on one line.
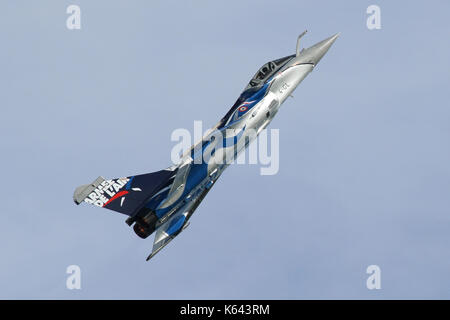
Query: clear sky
[[364, 149]]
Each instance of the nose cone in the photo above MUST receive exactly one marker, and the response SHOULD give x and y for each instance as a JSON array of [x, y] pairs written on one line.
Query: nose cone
[[316, 52]]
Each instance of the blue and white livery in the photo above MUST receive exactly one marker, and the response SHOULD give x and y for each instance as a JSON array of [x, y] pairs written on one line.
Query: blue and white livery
[[162, 202]]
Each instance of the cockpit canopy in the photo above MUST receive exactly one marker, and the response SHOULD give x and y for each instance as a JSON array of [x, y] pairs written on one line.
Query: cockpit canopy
[[266, 71], [253, 87]]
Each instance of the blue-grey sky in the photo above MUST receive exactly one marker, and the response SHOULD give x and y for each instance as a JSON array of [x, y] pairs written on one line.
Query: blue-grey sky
[[364, 149]]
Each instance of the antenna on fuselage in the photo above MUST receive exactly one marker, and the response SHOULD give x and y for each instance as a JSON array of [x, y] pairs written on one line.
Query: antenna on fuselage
[[297, 51]]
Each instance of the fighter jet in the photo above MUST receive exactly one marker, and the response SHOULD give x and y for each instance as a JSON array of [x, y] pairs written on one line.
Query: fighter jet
[[163, 201]]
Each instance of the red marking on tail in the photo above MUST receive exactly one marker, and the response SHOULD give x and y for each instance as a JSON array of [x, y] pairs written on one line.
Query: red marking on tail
[[117, 195]]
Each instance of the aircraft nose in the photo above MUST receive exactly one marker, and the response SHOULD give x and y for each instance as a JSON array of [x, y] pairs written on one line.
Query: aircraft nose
[[317, 51]]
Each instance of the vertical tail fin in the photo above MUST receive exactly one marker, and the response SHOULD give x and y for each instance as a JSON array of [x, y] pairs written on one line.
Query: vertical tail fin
[[125, 195]]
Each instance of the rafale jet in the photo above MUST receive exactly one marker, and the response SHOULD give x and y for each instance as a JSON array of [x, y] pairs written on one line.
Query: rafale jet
[[163, 201]]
